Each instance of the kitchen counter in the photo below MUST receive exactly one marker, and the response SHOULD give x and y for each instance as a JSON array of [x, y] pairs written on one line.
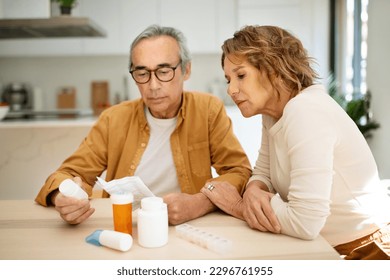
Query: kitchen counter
[[47, 122], [49, 118]]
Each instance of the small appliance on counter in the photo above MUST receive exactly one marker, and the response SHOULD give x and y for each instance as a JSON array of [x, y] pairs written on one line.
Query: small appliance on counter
[[19, 97], [26, 103]]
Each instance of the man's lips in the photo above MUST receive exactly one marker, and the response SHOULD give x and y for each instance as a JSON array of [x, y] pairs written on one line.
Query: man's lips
[[156, 99]]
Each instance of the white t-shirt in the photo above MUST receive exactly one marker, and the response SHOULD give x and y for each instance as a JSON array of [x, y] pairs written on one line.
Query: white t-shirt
[[322, 169], [157, 169]]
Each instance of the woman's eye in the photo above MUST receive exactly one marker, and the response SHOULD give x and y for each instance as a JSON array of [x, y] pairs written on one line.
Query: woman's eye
[[241, 76]]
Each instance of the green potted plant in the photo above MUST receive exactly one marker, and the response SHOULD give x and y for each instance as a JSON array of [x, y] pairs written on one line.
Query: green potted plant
[[358, 109], [66, 6]]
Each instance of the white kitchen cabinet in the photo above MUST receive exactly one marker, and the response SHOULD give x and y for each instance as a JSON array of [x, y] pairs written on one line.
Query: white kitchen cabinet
[[40, 47], [293, 15], [307, 19], [122, 21], [107, 17], [205, 23], [10, 9], [46, 47]]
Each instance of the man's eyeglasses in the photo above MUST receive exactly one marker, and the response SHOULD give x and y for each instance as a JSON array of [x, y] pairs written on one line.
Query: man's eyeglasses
[[163, 74]]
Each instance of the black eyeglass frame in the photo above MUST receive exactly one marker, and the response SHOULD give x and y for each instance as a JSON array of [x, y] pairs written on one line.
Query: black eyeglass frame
[[155, 71]]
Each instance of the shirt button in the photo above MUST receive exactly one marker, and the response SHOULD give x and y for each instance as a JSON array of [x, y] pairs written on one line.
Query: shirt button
[[143, 145], [132, 166]]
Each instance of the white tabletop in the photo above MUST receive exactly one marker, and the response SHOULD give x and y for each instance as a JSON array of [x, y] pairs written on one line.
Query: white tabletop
[[30, 231]]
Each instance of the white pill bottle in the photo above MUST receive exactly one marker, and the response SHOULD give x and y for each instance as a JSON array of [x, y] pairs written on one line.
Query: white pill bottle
[[152, 222], [69, 188]]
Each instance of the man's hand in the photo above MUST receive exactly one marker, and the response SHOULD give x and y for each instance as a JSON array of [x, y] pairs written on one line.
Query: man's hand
[[258, 212], [183, 207], [73, 211]]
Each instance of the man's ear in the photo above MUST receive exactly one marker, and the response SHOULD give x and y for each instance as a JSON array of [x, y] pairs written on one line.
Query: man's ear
[[188, 71]]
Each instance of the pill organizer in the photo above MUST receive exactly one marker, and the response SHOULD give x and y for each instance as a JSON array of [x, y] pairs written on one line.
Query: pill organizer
[[204, 239]]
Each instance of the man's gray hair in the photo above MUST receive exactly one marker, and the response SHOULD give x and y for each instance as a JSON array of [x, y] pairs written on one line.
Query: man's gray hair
[[156, 31]]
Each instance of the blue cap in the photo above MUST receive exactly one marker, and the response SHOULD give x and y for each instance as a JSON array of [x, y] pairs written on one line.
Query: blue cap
[[94, 238]]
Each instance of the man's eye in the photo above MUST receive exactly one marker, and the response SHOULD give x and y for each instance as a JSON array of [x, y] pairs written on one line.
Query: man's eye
[[163, 71], [241, 76], [141, 73]]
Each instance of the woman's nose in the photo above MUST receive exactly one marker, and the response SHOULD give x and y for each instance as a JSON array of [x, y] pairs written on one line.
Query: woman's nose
[[231, 90]]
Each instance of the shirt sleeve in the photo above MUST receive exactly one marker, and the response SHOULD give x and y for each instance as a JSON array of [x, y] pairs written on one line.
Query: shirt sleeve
[[227, 155], [310, 134]]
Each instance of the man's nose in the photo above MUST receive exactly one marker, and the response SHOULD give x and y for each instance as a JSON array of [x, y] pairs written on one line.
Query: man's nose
[[153, 82]]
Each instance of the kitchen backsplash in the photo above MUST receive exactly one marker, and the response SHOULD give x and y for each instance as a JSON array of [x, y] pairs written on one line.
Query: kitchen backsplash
[[49, 75]]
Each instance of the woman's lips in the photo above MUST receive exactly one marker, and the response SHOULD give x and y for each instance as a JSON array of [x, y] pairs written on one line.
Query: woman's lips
[[238, 102]]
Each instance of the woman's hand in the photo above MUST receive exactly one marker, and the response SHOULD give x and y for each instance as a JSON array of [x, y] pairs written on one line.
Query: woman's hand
[[257, 210], [225, 196]]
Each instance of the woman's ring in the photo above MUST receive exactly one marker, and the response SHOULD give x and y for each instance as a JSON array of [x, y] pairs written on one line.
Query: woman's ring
[[210, 187]]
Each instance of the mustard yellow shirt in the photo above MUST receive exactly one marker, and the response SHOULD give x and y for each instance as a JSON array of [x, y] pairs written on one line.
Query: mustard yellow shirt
[[203, 137]]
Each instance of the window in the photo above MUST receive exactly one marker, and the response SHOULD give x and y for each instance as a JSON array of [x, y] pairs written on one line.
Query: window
[[348, 61], [349, 46]]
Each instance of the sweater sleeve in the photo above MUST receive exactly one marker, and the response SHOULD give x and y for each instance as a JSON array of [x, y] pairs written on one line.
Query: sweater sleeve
[[310, 135]]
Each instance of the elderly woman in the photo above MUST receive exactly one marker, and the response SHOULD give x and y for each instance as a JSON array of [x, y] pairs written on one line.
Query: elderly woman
[[315, 173]]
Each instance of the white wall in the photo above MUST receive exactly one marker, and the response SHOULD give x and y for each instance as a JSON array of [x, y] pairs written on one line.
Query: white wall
[[378, 60]]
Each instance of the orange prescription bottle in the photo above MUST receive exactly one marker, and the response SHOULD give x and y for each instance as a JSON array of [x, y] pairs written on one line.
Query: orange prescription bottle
[[122, 206]]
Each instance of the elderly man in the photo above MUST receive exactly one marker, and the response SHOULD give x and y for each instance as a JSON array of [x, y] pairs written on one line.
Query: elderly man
[[169, 137]]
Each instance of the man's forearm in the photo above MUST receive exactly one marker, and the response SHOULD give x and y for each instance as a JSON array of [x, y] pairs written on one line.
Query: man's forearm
[[205, 205]]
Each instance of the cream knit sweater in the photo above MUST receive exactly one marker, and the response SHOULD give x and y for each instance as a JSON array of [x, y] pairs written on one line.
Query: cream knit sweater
[[322, 170]]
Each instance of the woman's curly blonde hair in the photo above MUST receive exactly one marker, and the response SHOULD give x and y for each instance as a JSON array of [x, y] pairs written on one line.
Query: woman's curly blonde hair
[[275, 51]]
